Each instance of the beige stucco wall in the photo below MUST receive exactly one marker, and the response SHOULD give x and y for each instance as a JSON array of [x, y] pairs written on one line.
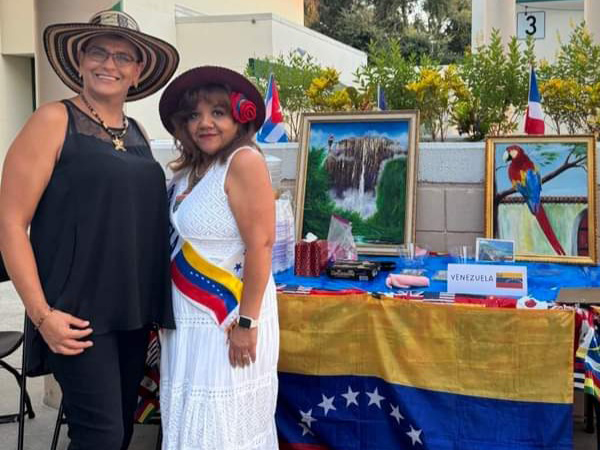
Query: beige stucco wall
[[16, 102], [16, 23], [292, 10], [327, 52], [560, 18], [559, 25], [158, 19], [223, 40]]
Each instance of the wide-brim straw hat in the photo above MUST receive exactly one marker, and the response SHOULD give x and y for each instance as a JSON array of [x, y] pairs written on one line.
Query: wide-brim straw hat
[[63, 41], [202, 76]]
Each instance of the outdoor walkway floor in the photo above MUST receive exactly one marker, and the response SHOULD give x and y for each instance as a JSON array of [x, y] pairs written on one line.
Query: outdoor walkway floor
[[38, 431]]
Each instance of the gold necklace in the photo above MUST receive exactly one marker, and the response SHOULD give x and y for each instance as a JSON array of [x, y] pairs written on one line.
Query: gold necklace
[[117, 138]]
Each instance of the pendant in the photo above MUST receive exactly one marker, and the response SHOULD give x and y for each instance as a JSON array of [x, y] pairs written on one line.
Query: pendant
[[118, 143]]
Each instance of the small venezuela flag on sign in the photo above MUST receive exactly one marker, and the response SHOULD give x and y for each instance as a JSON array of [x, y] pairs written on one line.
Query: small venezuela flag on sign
[[359, 373], [509, 280]]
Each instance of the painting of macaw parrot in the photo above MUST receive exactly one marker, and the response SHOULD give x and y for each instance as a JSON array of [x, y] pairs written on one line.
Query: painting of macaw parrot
[[540, 194], [526, 179]]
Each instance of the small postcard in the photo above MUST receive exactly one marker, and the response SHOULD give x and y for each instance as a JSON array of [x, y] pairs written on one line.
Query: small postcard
[[495, 250], [440, 275]]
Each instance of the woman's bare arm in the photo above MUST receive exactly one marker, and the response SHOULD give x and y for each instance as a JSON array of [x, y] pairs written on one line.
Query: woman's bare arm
[[27, 170], [253, 204]]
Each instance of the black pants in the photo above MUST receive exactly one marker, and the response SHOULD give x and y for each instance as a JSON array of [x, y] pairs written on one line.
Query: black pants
[[100, 389]]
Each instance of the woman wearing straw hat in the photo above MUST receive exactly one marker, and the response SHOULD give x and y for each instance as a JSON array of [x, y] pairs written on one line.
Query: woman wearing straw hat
[[93, 272], [219, 367]]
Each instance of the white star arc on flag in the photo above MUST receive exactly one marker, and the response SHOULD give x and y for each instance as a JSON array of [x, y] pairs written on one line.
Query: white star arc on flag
[[350, 396]]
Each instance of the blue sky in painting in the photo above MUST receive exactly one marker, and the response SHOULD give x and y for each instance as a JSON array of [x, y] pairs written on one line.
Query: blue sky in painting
[[395, 130], [572, 182]]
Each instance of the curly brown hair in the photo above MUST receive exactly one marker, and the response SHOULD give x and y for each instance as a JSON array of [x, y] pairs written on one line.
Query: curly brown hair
[[191, 156]]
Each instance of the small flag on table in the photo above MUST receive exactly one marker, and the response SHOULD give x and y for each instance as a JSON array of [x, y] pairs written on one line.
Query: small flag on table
[[381, 103], [534, 117], [273, 130]]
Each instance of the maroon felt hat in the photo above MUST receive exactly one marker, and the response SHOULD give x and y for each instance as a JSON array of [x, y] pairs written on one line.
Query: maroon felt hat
[[204, 75]]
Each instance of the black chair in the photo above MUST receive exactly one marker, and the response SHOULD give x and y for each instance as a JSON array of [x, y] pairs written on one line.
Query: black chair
[[10, 341]]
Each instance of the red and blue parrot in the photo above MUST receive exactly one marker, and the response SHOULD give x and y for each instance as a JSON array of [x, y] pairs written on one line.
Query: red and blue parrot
[[527, 181]]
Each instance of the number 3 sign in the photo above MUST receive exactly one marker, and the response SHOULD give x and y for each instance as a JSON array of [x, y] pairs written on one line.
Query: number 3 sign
[[531, 24]]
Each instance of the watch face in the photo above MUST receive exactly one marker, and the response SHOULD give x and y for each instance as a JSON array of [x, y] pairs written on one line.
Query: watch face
[[244, 322]]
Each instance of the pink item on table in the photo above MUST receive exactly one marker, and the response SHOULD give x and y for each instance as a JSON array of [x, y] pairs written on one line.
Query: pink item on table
[[400, 280]]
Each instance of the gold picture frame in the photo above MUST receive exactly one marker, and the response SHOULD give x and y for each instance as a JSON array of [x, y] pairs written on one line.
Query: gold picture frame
[[540, 191], [361, 166]]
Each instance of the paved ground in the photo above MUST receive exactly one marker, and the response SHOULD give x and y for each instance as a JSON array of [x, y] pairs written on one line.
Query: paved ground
[[38, 431]]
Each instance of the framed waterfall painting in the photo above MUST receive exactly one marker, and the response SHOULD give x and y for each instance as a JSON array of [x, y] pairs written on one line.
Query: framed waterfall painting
[[361, 167], [540, 192]]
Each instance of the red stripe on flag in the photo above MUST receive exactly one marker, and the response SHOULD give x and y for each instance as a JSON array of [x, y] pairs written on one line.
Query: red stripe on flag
[[289, 446], [198, 295], [533, 126], [509, 285]]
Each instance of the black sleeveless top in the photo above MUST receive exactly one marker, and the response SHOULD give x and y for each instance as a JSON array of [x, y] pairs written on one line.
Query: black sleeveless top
[[100, 231]]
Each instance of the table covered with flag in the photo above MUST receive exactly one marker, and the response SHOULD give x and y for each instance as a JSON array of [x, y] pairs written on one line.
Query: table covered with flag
[[357, 372], [365, 372]]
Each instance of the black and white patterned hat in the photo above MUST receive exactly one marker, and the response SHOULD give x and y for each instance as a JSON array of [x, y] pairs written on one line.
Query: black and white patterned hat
[[63, 41]]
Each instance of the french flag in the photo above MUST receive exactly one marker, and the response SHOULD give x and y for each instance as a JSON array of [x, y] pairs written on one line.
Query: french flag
[[273, 130], [534, 117]]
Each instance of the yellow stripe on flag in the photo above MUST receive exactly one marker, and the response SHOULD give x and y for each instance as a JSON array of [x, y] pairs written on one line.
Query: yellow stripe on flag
[[509, 275], [486, 352], [216, 273]]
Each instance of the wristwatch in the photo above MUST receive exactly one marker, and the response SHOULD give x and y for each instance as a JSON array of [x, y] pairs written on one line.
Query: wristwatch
[[247, 322]]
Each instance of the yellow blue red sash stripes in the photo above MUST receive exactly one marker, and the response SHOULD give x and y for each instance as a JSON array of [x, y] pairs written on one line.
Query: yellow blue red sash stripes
[[208, 286]]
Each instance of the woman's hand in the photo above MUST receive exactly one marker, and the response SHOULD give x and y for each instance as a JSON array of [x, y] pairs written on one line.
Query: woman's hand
[[62, 332], [242, 346]]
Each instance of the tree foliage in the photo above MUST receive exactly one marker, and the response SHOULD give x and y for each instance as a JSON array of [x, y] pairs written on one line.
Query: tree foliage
[[390, 69], [436, 91], [294, 74], [497, 81], [437, 28], [570, 87]]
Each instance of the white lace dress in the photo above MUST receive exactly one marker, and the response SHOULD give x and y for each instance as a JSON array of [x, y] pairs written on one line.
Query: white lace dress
[[205, 403]]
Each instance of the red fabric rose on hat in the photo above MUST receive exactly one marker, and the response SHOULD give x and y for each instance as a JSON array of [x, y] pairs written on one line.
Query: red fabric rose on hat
[[242, 109]]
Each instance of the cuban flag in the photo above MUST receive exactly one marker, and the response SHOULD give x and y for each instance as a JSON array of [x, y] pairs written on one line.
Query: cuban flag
[[273, 130], [534, 117]]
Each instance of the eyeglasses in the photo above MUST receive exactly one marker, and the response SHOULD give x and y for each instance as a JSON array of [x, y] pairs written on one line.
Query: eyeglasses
[[100, 55]]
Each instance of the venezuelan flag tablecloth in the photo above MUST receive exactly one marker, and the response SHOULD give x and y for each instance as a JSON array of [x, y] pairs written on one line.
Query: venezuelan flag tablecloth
[[359, 373]]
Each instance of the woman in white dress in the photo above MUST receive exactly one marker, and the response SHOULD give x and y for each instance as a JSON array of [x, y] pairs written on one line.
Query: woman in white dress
[[219, 367]]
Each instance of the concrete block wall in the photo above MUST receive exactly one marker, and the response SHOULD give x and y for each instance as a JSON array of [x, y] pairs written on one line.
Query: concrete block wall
[[450, 191], [450, 188]]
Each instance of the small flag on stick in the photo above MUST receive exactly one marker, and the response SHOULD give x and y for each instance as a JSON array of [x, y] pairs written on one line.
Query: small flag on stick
[[273, 130], [534, 116], [381, 103]]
